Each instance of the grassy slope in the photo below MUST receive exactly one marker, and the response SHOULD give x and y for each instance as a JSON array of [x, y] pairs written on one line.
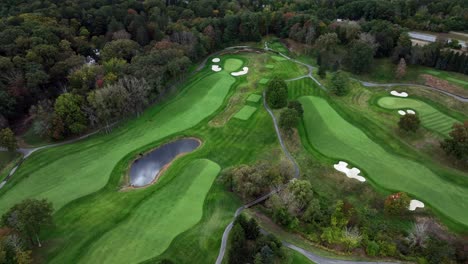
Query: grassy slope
[[7, 162], [431, 118], [295, 257], [87, 165], [333, 136], [152, 226]]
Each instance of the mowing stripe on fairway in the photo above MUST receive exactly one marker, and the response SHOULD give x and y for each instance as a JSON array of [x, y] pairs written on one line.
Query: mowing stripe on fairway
[[334, 137], [278, 58], [65, 173], [263, 81], [431, 118], [158, 220], [246, 112]]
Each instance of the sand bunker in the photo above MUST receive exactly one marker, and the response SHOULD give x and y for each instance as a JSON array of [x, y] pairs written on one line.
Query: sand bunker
[[216, 60], [402, 94], [415, 204], [350, 173], [216, 68], [245, 70], [409, 111]]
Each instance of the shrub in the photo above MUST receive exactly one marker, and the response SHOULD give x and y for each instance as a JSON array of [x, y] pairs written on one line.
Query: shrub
[[372, 248], [288, 119], [409, 123], [397, 204], [340, 83], [296, 105]]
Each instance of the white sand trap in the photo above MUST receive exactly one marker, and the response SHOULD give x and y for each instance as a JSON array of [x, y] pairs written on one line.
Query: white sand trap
[[411, 112], [216, 68], [350, 173], [395, 93], [216, 60], [402, 112], [244, 71], [415, 204]]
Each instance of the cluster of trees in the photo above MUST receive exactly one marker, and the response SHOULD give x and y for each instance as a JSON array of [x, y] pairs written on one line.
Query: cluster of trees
[[22, 225], [8, 140], [409, 123], [248, 245]]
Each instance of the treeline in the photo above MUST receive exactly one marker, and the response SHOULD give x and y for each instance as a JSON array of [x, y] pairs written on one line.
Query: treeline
[[49, 48]]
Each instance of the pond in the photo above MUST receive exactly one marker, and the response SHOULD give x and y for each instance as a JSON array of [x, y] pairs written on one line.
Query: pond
[[148, 167]]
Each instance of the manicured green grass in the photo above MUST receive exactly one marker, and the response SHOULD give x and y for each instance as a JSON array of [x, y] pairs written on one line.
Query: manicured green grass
[[277, 58], [431, 118], [254, 98], [269, 66], [158, 220], [263, 81], [85, 166], [246, 112], [295, 257], [333, 136], [232, 64]]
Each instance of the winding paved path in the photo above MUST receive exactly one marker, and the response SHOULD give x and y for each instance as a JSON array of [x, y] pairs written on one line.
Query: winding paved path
[[313, 257]]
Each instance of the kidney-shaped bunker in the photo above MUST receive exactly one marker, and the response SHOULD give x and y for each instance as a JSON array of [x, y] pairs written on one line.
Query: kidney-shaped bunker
[[145, 169]]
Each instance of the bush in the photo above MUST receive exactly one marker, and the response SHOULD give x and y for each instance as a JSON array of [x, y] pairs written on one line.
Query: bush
[[457, 144], [372, 248], [409, 123], [296, 105], [288, 119], [397, 204]]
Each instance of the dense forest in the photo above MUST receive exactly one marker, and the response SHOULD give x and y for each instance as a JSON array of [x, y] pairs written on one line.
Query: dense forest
[[74, 65]]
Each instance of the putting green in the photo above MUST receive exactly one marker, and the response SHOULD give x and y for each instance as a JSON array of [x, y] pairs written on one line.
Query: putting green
[[263, 81], [278, 58], [149, 230], [65, 173], [431, 118], [331, 135], [246, 112], [232, 64], [254, 98]]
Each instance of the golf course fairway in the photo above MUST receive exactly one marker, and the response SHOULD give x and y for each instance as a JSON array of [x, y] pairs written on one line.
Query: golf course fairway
[[152, 226], [333, 136], [63, 174], [431, 118]]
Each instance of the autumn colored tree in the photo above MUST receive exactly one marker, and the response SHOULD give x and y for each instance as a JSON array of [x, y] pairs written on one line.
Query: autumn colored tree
[[397, 204], [457, 144], [401, 69]]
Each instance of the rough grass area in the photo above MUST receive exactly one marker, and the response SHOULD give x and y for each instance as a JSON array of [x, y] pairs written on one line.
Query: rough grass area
[[431, 118], [457, 81], [294, 257], [254, 98], [159, 219], [263, 81], [7, 162], [334, 137], [232, 64], [246, 112]]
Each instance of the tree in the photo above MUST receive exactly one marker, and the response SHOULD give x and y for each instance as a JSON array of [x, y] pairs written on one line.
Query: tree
[[68, 108], [237, 250], [296, 105], [28, 217], [409, 122], [120, 49], [397, 204], [401, 69], [288, 119], [457, 144], [277, 93], [339, 83], [322, 72], [8, 140], [360, 56]]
